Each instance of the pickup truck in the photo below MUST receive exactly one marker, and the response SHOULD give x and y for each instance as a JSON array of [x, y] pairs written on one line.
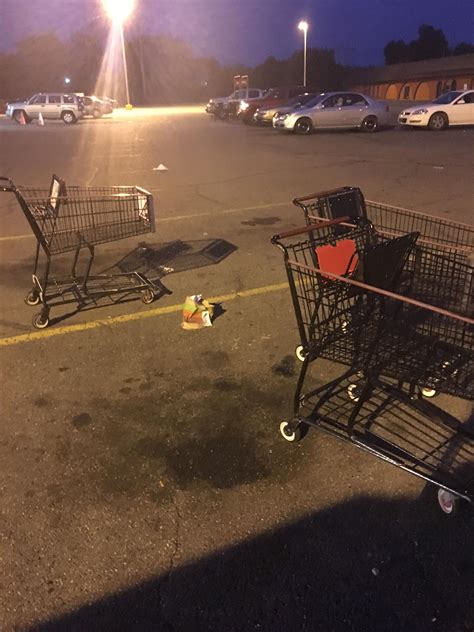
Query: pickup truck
[[272, 98], [220, 106]]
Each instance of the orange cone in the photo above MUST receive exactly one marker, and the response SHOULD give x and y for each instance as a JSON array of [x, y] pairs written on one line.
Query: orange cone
[[21, 119], [40, 119]]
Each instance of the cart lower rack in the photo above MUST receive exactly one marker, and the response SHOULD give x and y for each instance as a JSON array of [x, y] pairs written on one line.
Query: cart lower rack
[[360, 297], [71, 219]]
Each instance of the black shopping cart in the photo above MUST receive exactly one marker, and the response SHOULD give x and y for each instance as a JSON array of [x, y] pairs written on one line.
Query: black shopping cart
[[357, 295], [444, 254], [455, 238], [69, 219]]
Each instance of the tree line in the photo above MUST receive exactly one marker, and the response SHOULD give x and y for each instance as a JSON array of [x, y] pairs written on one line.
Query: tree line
[[163, 69], [430, 44]]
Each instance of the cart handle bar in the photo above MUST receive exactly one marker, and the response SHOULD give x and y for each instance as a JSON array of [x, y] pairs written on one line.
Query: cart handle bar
[[379, 290], [310, 228], [322, 194], [6, 187]]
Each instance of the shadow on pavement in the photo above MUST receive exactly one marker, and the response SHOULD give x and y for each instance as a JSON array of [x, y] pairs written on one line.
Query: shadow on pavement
[[176, 256], [364, 565]]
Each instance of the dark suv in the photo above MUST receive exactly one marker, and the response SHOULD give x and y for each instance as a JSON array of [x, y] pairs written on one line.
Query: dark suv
[[274, 97]]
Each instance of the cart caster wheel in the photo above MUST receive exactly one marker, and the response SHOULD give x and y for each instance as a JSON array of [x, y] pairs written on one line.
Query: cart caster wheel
[[447, 501], [40, 321], [293, 436], [148, 296], [354, 391], [32, 298], [426, 391], [300, 353]]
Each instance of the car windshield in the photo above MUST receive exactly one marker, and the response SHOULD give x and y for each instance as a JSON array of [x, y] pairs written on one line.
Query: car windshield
[[449, 97], [301, 99], [269, 93], [314, 101]]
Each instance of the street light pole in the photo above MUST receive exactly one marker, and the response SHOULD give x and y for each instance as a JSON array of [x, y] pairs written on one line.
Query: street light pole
[[303, 26], [125, 67], [119, 11]]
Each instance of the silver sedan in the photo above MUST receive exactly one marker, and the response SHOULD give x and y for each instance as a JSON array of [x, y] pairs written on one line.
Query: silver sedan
[[343, 110]]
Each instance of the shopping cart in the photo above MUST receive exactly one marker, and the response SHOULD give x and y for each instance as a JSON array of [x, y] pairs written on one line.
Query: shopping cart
[[454, 238], [69, 219], [356, 297], [444, 255]]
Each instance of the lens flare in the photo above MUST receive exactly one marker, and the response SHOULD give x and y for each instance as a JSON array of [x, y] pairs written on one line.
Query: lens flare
[[118, 10]]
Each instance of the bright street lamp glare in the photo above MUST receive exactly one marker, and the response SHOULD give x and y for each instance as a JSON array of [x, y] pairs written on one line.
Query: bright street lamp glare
[[303, 25], [118, 10]]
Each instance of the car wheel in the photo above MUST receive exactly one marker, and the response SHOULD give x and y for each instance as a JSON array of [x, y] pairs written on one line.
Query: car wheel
[[68, 117], [303, 126], [96, 113], [18, 115], [370, 124], [438, 121]]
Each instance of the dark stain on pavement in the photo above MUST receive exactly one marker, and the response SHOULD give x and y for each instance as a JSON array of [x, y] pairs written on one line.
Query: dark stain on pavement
[[217, 358], [145, 386], [41, 402], [226, 385], [224, 460], [81, 421], [285, 367], [261, 221], [221, 435]]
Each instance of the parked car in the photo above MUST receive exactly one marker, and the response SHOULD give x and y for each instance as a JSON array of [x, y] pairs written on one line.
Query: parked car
[[93, 106], [272, 98], [453, 108], [264, 116], [113, 102], [50, 105], [221, 105], [335, 110]]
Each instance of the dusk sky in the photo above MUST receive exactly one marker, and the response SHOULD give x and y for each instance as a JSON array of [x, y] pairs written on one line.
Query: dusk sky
[[248, 31]]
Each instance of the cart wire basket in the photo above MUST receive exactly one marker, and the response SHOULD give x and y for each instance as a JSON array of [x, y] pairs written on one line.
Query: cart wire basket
[[68, 219], [360, 298], [443, 256]]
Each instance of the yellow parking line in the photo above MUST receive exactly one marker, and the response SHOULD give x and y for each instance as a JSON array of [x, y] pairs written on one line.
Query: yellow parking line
[[126, 318], [175, 218]]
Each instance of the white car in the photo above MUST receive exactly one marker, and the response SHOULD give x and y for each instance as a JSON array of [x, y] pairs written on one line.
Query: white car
[[453, 108], [344, 110]]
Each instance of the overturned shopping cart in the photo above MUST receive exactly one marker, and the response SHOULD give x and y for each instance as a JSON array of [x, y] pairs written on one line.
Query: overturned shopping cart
[[370, 302], [70, 219]]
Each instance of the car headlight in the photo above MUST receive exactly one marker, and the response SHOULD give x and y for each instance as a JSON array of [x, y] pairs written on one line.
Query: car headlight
[[281, 117], [420, 111], [244, 106]]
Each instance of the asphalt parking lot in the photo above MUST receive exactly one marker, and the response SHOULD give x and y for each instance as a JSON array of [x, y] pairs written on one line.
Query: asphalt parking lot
[[144, 484]]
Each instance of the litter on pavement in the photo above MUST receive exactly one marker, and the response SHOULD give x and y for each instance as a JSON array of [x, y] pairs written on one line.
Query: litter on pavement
[[197, 313]]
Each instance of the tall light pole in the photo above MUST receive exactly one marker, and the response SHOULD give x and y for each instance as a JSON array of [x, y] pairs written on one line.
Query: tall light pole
[[119, 11], [303, 26]]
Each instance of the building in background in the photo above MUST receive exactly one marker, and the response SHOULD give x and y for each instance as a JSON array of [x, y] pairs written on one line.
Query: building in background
[[416, 81]]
